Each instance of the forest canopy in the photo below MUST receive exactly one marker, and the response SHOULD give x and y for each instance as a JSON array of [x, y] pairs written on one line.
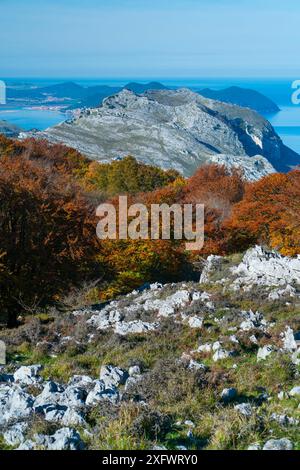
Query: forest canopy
[[48, 244]]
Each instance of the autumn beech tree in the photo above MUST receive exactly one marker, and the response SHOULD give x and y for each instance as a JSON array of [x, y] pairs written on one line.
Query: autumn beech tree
[[48, 244], [47, 236], [269, 213]]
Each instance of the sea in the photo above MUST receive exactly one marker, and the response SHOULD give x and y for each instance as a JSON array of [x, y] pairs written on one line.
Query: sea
[[286, 122]]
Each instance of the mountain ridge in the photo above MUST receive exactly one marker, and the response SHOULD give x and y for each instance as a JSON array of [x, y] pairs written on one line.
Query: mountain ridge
[[173, 129]]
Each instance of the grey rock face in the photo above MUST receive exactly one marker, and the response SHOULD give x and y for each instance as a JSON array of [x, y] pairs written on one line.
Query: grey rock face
[[278, 444], [195, 365], [63, 439], [172, 129], [221, 354], [264, 352], [266, 268], [101, 393], [295, 392], [289, 342], [135, 326], [113, 376], [134, 371], [15, 404], [254, 168], [212, 264], [284, 420], [244, 409], [28, 375], [14, 435]]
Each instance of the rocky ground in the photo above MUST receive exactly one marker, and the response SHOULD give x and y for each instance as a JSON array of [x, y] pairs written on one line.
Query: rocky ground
[[209, 365]]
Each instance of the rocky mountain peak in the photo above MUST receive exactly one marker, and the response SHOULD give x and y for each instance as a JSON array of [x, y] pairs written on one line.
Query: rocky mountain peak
[[176, 129]]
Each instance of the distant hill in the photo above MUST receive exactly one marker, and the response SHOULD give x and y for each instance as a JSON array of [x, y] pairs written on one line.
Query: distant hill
[[140, 88], [77, 96], [242, 97], [61, 90], [9, 130], [96, 94]]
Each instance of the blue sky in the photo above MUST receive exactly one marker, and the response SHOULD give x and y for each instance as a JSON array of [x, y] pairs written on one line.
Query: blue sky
[[149, 38]]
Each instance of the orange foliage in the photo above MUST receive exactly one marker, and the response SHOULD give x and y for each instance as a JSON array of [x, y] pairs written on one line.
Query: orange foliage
[[47, 234], [269, 213], [48, 196]]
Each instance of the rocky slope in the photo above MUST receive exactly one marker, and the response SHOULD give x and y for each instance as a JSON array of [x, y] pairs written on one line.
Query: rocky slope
[[209, 365], [172, 129]]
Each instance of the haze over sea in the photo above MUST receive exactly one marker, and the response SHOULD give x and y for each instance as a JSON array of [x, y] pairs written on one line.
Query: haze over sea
[[286, 122]]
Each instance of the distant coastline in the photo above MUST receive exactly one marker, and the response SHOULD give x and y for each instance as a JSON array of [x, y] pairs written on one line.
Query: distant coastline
[[286, 122]]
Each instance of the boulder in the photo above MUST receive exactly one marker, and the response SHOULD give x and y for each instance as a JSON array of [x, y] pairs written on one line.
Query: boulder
[[135, 326], [169, 306], [252, 320], [278, 444], [229, 394], [6, 378], [264, 352], [221, 354], [82, 381], [195, 322], [14, 435], [194, 365], [27, 445], [266, 268], [134, 371], [15, 404], [113, 376], [244, 409], [212, 264], [54, 393], [101, 393], [284, 420], [64, 439], [295, 392], [289, 343], [278, 294], [28, 375]]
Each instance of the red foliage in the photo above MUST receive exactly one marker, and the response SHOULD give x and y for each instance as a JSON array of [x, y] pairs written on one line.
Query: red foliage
[[47, 234], [269, 213]]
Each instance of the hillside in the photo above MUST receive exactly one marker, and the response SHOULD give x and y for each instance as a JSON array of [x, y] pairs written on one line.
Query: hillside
[[209, 365], [139, 344], [242, 97], [9, 130], [73, 95], [172, 129]]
